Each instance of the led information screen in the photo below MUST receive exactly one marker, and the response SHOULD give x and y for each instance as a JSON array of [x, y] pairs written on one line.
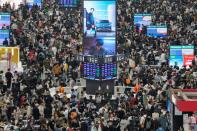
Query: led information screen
[[68, 3], [142, 20], [96, 68], [157, 31], [4, 37], [91, 70], [181, 55], [99, 27], [13, 3], [4, 20], [96, 71], [108, 71], [30, 3]]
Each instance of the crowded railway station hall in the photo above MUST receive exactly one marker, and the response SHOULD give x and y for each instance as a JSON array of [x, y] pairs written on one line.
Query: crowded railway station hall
[[98, 65]]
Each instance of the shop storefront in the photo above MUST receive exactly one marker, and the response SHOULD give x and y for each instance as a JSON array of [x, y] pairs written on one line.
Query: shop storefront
[[183, 108]]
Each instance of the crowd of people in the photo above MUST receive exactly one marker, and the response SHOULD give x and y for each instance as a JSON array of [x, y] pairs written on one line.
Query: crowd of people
[[48, 36]]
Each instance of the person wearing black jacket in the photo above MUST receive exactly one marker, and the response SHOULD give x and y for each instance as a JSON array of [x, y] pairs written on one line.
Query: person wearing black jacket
[[48, 112], [48, 99], [5, 42], [8, 76], [151, 58], [15, 87], [35, 113]]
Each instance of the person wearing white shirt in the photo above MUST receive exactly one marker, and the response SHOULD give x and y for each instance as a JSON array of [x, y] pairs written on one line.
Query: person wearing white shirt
[[54, 49], [123, 124], [163, 58], [41, 109], [93, 127], [142, 121], [66, 112], [29, 111]]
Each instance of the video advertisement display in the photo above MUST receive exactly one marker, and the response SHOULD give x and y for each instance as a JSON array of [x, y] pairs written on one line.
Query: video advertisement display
[[157, 31], [13, 3], [68, 3], [9, 58], [141, 20], [4, 20], [99, 28], [181, 55], [30, 3], [4, 37]]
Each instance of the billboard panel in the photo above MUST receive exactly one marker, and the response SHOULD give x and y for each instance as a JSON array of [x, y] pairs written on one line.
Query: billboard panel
[[15, 4], [9, 58], [157, 31], [4, 37], [68, 3], [4, 20], [141, 20], [181, 55], [99, 27], [30, 3]]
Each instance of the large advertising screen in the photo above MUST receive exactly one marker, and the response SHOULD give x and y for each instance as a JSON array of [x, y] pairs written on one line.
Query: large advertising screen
[[68, 3], [4, 37], [9, 58], [181, 55], [99, 27], [141, 20], [12, 52], [15, 4], [30, 3], [157, 31], [4, 20]]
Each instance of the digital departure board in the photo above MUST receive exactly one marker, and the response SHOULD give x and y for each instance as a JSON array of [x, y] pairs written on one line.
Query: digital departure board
[[108, 71], [97, 71], [91, 71]]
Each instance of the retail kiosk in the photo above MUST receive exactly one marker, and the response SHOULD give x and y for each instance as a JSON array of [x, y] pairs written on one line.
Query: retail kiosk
[[183, 108]]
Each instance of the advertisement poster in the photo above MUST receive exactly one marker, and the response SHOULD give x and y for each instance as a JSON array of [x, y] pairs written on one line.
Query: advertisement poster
[[15, 4], [141, 20], [30, 3], [157, 31], [4, 37], [68, 3], [99, 28], [4, 20], [181, 55]]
